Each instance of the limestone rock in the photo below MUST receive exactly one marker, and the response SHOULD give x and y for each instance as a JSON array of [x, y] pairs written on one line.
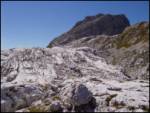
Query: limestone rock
[[56, 107], [80, 95], [129, 49]]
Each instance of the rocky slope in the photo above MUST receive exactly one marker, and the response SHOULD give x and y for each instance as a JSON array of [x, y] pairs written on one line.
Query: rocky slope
[[93, 25], [130, 49], [114, 39], [67, 79]]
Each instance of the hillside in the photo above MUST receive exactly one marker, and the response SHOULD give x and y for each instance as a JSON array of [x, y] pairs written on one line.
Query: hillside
[[93, 25], [100, 65], [129, 49]]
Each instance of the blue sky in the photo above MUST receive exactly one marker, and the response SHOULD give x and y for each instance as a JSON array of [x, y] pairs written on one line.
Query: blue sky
[[28, 24]]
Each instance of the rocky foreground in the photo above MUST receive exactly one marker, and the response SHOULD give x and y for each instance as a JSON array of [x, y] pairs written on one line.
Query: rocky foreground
[[67, 79]]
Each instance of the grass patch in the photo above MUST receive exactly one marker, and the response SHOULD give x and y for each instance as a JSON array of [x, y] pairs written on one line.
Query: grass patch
[[36, 109], [56, 98], [133, 36]]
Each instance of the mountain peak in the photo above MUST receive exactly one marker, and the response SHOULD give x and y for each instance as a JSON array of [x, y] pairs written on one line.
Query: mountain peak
[[100, 24]]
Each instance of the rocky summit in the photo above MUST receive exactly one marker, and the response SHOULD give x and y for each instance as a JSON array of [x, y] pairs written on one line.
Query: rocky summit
[[101, 24], [100, 65]]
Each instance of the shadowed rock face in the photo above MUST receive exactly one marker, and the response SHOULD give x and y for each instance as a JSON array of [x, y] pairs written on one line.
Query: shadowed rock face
[[93, 25]]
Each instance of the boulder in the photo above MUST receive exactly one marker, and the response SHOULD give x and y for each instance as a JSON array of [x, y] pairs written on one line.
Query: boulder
[[55, 106], [80, 95]]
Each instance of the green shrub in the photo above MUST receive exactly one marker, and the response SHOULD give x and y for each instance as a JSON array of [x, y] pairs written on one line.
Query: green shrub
[[56, 98], [36, 109]]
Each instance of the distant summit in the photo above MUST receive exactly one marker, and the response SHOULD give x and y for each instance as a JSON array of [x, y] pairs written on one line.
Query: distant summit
[[100, 24]]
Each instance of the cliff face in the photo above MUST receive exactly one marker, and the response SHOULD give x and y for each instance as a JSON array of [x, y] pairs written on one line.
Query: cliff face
[[93, 25]]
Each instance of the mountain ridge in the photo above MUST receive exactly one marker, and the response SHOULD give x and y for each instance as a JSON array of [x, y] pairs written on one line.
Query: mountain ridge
[[93, 25]]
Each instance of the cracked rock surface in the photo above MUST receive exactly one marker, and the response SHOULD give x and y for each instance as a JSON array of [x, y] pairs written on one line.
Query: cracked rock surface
[[67, 79]]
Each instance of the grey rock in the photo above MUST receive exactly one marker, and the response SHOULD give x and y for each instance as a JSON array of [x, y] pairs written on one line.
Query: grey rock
[[106, 24], [80, 95], [56, 107], [76, 77], [129, 49], [6, 105]]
